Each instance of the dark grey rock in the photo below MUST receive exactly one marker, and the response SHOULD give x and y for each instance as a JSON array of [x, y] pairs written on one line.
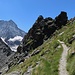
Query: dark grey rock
[[5, 53]]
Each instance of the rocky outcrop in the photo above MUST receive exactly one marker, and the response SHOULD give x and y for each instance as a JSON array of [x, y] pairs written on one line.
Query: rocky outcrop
[[61, 19], [5, 53], [41, 30]]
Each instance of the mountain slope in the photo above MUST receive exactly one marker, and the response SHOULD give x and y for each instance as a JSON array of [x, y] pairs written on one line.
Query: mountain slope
[[68, 37], [40, 48], [9, 30], [44, 60], [5, 53]]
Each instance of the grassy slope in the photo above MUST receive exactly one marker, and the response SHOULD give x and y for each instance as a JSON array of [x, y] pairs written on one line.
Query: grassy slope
[[71, 60], [69, 31], [48, 59], [50, 54]]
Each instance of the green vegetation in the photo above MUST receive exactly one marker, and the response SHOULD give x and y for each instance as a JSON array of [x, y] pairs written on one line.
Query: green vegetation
[[68, 33], [71, 60], [47, 59]]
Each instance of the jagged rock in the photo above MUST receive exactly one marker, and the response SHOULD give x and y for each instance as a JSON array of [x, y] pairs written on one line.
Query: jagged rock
[[35, 52], [5, 53], [71, 40], [21, 60], [19, 49], [61, 19], [48, 19], [41, 30], [39, 19]]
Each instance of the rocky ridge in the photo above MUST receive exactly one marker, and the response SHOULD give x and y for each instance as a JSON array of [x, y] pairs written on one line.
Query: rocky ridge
[[5, 53], [41, 30]]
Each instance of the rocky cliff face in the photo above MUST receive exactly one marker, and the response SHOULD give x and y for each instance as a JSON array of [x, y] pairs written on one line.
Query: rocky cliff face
[[5, 53], [9, 32], [41, 30]]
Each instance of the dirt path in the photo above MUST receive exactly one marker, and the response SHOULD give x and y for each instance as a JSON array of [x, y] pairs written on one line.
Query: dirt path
[[63, 60]]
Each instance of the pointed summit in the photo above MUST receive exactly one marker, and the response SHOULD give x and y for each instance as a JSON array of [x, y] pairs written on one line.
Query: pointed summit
[[9, 30]]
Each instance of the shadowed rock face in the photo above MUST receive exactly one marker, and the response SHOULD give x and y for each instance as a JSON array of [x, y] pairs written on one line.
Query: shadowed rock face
[[61, 19], [41, 30], [5, 53]]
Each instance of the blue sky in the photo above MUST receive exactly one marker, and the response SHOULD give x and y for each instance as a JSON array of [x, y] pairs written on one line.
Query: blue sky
[[25, 12]]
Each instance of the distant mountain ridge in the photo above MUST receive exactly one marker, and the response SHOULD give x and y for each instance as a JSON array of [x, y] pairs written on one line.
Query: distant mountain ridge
[[9, 29]]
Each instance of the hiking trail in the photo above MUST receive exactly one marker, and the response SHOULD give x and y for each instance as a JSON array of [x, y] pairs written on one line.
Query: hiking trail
[[63, 60]]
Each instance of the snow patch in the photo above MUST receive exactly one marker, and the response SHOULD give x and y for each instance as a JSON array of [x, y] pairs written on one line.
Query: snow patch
[[3, 39], [14, 48], [16, 38]]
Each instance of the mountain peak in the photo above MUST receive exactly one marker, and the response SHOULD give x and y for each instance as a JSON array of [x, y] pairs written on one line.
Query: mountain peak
[[9, 29], [11, 21]]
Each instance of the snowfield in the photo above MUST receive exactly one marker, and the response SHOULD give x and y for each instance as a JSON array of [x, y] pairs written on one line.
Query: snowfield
[[16, 38]]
